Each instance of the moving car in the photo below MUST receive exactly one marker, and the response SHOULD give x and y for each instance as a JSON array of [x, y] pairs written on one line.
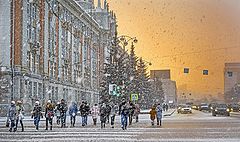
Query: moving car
[[185, 109], [203, 106], [221, 109], [234, 107]]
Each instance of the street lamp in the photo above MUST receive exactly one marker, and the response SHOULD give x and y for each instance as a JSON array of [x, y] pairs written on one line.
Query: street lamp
[[125, 39]]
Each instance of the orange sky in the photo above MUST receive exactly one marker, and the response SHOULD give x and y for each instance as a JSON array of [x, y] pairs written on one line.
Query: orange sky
[[173, 34]]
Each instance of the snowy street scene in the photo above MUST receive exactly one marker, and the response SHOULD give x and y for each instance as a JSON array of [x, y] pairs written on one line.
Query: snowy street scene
[[199, 126], [119, 71]]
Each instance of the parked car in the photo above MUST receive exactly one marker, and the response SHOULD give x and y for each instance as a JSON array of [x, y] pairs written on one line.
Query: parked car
[[234, 107], [221, 109], [195, 107], [203, 106], [185, 109]]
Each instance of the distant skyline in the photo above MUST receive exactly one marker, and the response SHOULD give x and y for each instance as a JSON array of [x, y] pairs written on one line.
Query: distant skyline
[[174, 34]]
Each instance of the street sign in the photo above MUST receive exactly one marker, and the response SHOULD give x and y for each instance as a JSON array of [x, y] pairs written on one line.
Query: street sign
[[186, 70], [205, 72], [134, 97]]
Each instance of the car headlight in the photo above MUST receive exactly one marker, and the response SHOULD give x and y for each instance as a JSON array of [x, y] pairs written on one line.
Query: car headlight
[[231, 109], [228, 110], [211, 107], [215, 110]]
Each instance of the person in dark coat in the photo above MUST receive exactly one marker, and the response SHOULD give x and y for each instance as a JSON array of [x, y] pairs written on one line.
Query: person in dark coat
[[103, 115], [57, 112], [131, 112], [37, 114], [124, 111], [63, 109], [20, 113], [108, 111], [73, 113], [49, 114], [159, 114], [12, 116], [84, 110]]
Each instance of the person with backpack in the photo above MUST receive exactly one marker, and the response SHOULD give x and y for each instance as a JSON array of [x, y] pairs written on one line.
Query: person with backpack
[[49, 114]]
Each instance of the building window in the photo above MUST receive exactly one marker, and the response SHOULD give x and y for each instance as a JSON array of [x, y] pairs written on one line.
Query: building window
[[230, 74]]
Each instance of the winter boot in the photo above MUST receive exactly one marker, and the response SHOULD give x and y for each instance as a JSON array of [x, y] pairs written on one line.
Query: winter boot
[[50, 127], [22, 129]]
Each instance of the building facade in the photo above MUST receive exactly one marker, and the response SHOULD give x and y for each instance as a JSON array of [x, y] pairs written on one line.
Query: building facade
[[53, 49], [232, 82], [167, 85]]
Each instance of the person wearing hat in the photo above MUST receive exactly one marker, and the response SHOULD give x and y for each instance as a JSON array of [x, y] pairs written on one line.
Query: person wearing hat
[[49, 114], [37, 114], [19, 113], [12, 116]]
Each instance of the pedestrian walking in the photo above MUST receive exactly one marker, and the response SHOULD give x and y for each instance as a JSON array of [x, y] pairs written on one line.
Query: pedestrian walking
[[73, 112], [103, 115], [124, 111], [20, 114], [95, 113], [84, 110], [108, 111], [114, 111], [153, 114], [57, 112], [11, 116], [159, 115], [49, 114], [63, 109], [131, 112], [37, 114], [136, 112]]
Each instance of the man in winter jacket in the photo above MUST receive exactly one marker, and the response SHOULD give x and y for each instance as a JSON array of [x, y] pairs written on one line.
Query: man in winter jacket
[[73, 112], [19, 113], [12, 116], [63, 109], [49, 114], [36, 114]]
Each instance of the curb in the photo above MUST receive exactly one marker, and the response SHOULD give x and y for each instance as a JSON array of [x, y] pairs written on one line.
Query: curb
[[169, 114], [235, 114]]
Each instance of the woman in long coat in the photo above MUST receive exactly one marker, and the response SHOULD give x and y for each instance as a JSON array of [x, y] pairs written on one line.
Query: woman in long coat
[[159, 114]]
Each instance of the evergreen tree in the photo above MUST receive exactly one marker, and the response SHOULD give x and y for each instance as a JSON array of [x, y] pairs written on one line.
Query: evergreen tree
[[132, 86], [144, 86]]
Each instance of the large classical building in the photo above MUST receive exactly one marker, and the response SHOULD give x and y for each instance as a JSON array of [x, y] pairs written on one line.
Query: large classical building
[[53, 49]]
